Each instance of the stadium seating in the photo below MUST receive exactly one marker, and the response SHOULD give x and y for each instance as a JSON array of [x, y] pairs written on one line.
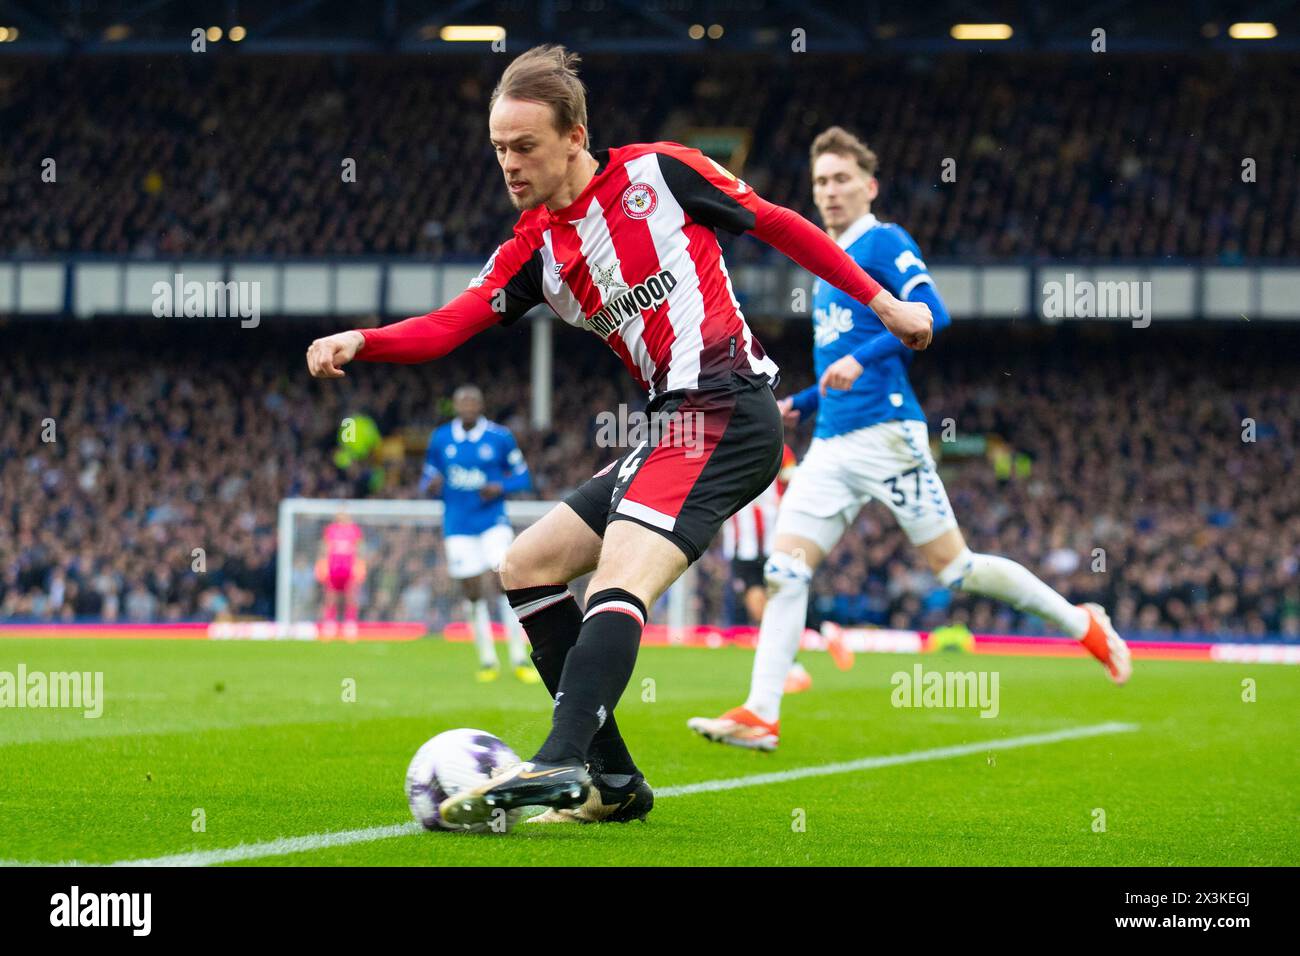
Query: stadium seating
[[244, 156]]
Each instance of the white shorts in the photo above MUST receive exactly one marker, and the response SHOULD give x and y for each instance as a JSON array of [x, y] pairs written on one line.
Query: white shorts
[[890, 463], [469, 555]]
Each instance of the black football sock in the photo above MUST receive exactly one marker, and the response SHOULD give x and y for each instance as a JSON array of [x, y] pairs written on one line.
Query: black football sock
[[551, 619], [596, 672], [608, 753]]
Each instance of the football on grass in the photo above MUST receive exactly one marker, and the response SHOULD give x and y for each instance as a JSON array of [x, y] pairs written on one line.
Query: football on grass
[[453, 761]]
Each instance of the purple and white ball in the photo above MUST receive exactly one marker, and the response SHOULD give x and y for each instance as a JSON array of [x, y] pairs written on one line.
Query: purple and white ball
[[453, 761]]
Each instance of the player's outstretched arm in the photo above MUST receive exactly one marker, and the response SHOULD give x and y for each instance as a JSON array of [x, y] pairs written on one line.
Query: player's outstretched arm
[[325, 355], [715, 197], [879, 346], [417, 339], [786, 230], [800, 405], [843, 372]]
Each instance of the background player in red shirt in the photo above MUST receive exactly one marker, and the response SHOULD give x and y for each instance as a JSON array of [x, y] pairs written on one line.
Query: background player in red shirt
[[622, 243], [747, 540]]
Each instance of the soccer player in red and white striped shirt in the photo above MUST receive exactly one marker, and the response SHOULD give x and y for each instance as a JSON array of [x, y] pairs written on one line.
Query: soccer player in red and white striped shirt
[[622, 243]]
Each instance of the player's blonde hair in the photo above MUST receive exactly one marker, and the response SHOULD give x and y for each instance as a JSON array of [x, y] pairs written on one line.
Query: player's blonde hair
[[547, 75], [840, 142]]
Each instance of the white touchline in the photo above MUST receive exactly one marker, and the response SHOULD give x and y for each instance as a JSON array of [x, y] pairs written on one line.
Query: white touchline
[[323, 841]]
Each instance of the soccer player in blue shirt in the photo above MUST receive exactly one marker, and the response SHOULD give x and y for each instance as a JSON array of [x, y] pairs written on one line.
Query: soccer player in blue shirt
[[871, 443], [473, 463]]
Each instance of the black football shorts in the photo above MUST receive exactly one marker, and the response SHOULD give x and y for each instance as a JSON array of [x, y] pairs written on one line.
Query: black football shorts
[[749, 572], [713, 451]]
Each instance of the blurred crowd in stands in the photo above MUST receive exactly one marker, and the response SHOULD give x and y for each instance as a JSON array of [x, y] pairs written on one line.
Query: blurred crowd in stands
[[141, 467], [1086, 156]]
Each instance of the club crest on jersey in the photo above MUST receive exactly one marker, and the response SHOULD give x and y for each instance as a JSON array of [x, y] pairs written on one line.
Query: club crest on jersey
[[649, 294], [640, 200]]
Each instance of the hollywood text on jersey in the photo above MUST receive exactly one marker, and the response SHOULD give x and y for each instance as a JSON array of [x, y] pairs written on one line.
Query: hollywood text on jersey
[[651, 293]]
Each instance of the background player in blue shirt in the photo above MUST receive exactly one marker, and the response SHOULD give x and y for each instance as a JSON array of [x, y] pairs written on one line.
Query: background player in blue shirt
[[871, 443], [473, 463]]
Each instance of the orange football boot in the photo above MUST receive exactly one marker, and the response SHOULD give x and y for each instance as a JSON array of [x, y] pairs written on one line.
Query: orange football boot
[[1105, 644], [739, 728], [836, 646], [798, 680]]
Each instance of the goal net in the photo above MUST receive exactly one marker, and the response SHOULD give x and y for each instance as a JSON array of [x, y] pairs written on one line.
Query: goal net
[[406, 579]]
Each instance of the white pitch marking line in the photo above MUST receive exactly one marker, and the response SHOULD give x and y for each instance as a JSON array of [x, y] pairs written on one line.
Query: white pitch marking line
[[256, 851], [322, 841], [893, 760]]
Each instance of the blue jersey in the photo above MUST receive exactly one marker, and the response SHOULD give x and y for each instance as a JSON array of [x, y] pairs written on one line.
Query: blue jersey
[[843, 325], [468, 460]]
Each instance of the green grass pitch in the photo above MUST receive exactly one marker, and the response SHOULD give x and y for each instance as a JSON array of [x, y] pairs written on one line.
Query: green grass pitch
[[259, 741]]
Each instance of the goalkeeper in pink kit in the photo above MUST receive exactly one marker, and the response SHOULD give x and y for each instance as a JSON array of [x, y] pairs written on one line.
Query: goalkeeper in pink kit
[[340, 571]]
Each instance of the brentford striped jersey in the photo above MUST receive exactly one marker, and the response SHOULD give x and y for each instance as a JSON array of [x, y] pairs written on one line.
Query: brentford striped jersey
[[635, 259]]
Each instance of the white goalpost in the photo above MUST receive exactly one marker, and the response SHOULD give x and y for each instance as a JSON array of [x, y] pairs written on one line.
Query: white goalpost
[[406, 569]]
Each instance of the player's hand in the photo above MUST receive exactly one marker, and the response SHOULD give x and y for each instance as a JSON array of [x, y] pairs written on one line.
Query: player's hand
[[910, 322], [324, 356], [842, 373], [789, 414], [491, 491]]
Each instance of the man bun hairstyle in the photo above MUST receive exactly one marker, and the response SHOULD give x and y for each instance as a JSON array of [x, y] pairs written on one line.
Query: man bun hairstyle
[[547, 75]]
